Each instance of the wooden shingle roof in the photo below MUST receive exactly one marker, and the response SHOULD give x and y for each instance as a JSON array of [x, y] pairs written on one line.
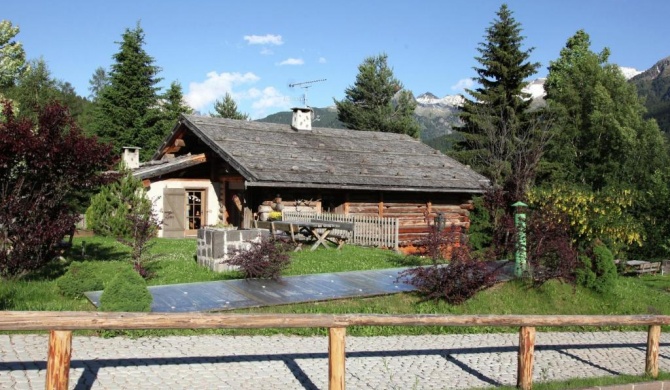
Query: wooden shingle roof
[[268, 154], [156, 168]]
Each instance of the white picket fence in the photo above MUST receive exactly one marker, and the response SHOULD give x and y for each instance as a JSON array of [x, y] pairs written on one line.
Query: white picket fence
[[368, 230]]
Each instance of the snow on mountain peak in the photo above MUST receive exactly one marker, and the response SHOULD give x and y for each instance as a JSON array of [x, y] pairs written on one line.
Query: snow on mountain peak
[[428, 99], [629, 73], [535, 88]]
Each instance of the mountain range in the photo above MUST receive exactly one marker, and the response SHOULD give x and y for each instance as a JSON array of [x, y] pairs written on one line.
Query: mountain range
[[439, 116], [653, 85]]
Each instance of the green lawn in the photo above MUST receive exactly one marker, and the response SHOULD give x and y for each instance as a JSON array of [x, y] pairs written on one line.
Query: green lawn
[[581, 383], [174, 262]]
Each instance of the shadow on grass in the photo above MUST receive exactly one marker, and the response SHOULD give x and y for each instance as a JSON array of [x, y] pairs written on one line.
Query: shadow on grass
[[6, 297], [96, 252], [82, 251], [407, 261], [50, 271]]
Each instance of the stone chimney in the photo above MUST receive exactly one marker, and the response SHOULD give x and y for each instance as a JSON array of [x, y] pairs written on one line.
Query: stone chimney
[[302, 118], [131, 157]]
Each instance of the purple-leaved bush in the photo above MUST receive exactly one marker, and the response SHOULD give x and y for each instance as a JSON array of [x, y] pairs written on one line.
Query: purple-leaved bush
[[43, 166]]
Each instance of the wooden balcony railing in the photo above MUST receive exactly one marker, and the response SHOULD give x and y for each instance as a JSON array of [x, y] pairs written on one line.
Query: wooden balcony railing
[[61, 325]]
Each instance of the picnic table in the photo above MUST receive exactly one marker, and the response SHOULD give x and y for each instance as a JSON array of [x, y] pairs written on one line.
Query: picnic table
[[640, 267], [319, 232]]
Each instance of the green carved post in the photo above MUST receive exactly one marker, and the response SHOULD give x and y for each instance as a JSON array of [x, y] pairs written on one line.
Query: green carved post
[[520, 224]]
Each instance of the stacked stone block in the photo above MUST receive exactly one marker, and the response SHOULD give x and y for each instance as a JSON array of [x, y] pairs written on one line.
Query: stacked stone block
[[218, 245]]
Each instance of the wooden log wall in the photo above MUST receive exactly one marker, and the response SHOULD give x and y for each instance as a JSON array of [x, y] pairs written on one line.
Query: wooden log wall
[[415, 211], [415, 218]]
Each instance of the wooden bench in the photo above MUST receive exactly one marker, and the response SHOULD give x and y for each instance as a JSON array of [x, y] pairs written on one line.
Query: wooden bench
[[647, 268], [279, 227]]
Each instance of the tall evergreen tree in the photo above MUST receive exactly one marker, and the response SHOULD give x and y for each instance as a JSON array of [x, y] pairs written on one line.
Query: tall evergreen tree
[[377, 101], [227, 108], [603, 142], [36, 88], [172, 104], [601, 138], [498, 131], [126, 108], [164, 117], [97, 83]]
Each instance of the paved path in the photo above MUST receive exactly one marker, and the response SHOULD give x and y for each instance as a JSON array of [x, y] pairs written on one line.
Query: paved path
[[285, 362], [242, 293]]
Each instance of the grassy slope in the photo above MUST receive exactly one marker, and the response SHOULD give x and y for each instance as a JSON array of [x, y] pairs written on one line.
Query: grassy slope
[[175, 263]]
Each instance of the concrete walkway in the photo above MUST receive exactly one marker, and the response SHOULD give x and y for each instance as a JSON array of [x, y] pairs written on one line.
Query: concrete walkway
[[285, 362], [244, 293]]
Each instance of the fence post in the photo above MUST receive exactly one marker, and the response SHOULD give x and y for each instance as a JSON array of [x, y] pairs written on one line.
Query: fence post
[[336, 358], [653, 339], [58, 361], [396, 234], [524, 379]]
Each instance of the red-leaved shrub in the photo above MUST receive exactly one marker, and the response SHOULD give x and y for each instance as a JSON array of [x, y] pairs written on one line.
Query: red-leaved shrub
[[43, 166], [454, 282], [551, 252], [264, 260]]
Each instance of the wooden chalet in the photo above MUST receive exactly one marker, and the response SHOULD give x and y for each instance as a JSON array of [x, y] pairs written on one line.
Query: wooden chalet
[[213, 171]]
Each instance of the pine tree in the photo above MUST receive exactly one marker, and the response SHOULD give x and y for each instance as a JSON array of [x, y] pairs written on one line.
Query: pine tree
[[227, 108], [173, 103], [602, 141], [497, 127], [377, 101], [109, 210], [34, 89], [163, 118], [97, 83], [602, 138], [127, 107]]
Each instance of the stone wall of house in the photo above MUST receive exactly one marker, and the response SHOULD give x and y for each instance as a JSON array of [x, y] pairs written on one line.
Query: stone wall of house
[[218, 245]]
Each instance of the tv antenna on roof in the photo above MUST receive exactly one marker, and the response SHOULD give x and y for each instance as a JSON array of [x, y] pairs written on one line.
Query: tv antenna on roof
[[305, 85]]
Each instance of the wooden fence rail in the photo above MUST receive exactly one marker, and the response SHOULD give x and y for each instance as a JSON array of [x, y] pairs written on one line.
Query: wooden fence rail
[[61, 325]]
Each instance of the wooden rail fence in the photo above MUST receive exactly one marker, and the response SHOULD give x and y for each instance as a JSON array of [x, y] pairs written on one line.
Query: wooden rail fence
[[61, 325], [368, 230]]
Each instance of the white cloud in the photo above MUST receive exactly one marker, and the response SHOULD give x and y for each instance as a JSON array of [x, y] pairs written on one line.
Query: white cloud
[[266, 51], [322, 60], [292, 61], [262, 101], [216, 85], [463, 84], [266, 99], [267, 39]]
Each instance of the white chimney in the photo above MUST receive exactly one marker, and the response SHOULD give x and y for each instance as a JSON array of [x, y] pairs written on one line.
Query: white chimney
[[302, 118], [131, 157]]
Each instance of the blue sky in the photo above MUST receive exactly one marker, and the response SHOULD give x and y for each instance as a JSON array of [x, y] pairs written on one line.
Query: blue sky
[[255, 49]]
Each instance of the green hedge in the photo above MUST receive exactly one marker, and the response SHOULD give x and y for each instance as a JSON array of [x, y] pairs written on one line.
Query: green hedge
[[126, 292], [79, 278], [598, 271]]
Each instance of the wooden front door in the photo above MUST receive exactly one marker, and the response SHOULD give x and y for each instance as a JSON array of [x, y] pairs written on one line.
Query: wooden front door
[[173, 212], [184, 212]]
